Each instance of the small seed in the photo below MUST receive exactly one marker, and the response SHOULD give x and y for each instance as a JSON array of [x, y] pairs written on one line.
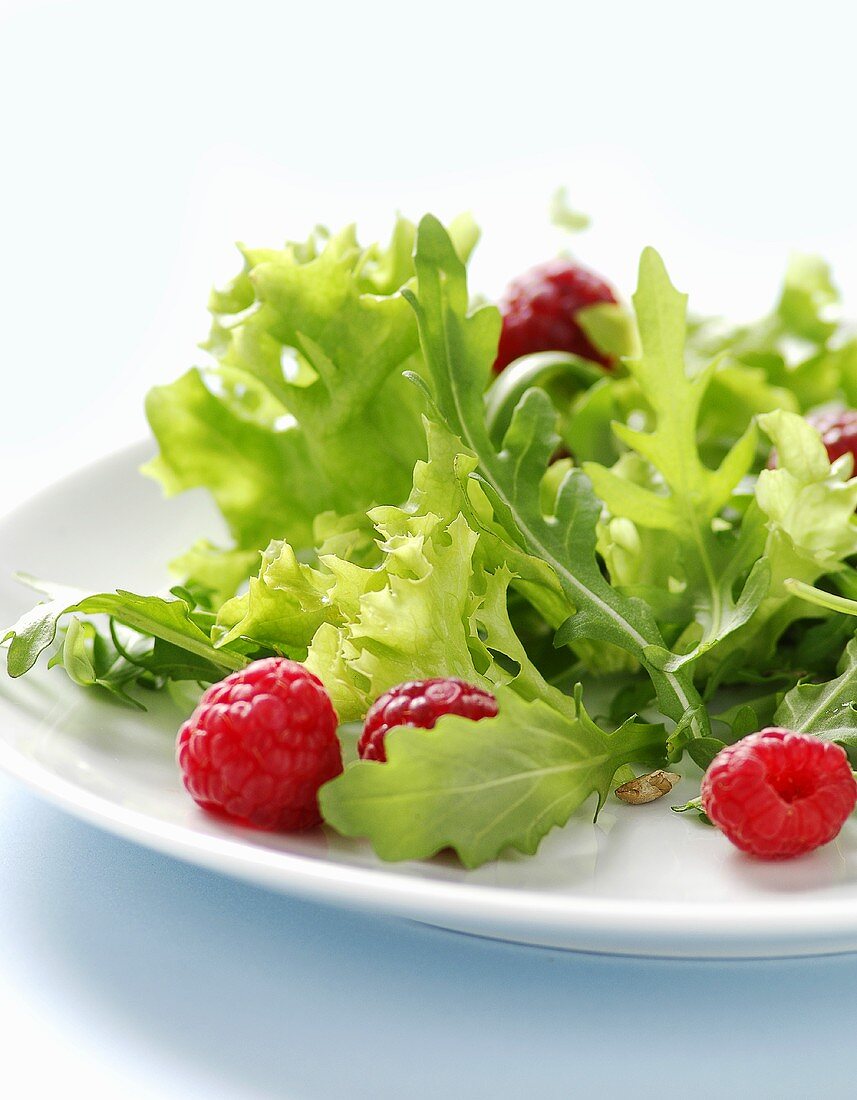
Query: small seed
[[646, 788]]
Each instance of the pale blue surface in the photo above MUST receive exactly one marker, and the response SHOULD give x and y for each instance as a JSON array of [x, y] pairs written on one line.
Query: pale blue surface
[[225, 990]]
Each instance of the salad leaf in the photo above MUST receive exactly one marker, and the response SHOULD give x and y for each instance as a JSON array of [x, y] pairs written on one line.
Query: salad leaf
[[688, 495], [799, 346], [91, 660], [459, 348], [434, 604], [216, 573], [809, 502], [807, 508], [262, 479], [170, 620], [801, 522], [564, 216], [304, 408], [807, 300], [817, 596], [694, 806], [483, 787], [828, 711]]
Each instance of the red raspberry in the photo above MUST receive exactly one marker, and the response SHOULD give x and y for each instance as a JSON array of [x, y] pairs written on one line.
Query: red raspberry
[[838, 429], [260, 744], [421, 703], [838, 432], [538, 311], [778, 794]]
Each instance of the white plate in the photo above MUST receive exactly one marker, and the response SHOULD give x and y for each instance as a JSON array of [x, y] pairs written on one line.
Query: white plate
[[641, 881]]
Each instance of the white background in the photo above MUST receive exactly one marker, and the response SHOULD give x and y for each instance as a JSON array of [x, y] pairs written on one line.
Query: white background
[[138, 141]]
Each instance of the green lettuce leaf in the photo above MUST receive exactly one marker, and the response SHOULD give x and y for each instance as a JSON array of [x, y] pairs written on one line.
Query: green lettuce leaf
[[262, 479], [216, 573], [303, 408], [434, 604], [483, 787]]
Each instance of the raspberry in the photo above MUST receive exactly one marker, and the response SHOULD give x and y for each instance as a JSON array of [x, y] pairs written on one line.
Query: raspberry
[[421, 703], [838, 432], [778, 794], [538, 311], [838, 429], [260, 744]]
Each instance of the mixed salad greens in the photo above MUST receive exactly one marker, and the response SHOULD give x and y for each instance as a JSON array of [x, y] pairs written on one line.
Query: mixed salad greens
[[397, 512]]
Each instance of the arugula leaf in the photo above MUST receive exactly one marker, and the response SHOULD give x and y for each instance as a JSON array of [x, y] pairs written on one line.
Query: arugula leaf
[[459, 348], [91, 660], [170, 620], [694, 806], [483, 787], [550, 370], [828, 711], [703, 750], [688, 495]]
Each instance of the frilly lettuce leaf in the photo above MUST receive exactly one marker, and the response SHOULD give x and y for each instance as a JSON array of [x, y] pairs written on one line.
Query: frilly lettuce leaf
[[216, 572], [435, 604], [262, 479], [807, 501], [303, 408]]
